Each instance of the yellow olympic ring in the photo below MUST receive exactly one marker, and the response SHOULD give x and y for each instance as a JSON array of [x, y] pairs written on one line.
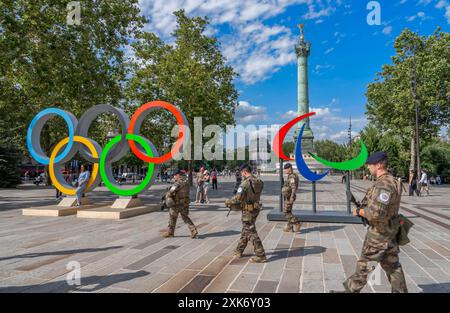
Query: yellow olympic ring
[[62, 143]]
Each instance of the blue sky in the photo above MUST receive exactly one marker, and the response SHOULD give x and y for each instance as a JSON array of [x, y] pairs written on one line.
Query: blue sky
[[258, 37]]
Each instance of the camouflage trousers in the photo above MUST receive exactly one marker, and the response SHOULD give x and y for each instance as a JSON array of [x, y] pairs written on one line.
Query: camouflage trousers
[[173, 216], [386, 253], [287, 210], [249, 234]]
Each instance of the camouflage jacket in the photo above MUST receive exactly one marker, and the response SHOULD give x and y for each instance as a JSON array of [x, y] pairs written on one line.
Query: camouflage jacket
[[381, 205], [179, 192], [247, 198], [290, 185], [249, 192]]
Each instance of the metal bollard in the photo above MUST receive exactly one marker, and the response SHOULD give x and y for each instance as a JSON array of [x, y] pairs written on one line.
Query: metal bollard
[[281, 186], [314, 204], [347, 183]]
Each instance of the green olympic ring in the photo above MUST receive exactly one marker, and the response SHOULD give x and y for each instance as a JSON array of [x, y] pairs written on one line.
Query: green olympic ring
[[148, 177]]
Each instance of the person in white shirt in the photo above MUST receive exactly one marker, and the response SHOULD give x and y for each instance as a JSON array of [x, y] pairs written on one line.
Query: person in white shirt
[[83, 180], [424, 183]]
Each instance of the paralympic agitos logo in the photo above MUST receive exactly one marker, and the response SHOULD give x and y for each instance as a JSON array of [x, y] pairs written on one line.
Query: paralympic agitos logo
[[302, 167]]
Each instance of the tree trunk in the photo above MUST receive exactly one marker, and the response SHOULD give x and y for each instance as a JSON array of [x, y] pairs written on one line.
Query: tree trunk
[[413, 159], [191, 181], [47, 149], [191, 164]]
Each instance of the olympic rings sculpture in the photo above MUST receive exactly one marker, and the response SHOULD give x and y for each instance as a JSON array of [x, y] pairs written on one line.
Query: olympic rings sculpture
[[115, 149]]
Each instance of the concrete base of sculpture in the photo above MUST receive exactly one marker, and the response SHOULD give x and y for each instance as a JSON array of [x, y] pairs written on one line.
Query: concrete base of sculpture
[[55, 210], [126, 203], [72, 201], [118, 213]]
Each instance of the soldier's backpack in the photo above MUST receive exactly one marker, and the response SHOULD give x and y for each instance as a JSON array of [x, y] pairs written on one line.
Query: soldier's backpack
[[405, 226], [256, 188]]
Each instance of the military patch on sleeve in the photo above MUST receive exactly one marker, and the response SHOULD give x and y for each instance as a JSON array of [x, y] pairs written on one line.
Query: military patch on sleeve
[[173, 188], [239, 190], [384, 196]]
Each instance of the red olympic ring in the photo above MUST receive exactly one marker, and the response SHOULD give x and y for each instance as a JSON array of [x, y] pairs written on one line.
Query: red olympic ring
[[178, 115], [279, 137]]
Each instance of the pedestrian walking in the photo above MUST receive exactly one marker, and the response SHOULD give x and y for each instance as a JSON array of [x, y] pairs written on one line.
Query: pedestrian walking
[[199, 197], [424, 183], [214, 178], [413, 184]]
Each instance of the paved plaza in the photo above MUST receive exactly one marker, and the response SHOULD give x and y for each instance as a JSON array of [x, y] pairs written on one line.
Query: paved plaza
[[36, 253]]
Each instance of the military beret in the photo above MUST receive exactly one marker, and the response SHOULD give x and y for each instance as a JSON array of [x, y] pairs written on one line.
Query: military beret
[[376, 157], [177, 171], [245, 166], [287, 165]]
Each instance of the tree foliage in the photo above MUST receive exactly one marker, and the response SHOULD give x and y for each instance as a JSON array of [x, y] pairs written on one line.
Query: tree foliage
[[190, 73], [47, 63], [391, 101]]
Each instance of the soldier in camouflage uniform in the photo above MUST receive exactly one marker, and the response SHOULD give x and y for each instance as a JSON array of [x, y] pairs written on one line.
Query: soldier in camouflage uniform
[[177, 200], [247, 200], [289, 191], [380, 207]]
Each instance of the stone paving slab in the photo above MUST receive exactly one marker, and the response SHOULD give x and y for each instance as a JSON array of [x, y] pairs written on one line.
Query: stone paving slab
[[129, 256]]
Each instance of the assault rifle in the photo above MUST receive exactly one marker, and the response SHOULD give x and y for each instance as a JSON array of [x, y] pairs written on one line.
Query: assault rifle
[[163, 201], [358, 207]]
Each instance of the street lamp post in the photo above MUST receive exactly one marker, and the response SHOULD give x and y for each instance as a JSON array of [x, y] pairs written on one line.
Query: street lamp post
[[416, 104]]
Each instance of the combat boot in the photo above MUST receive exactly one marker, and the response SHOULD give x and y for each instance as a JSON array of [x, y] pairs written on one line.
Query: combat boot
[[338, 291], [167, 233], [194, 233], [258, 259], [287, 228], [237, 254], [346, 290], [297, 227]]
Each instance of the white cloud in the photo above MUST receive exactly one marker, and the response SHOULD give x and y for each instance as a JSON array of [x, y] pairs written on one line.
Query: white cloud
[[321, 112], [420, 15], [441, 4], [289, 115], [342, 136], [339, 36], [313, 14], [328, 123], [254, 48], [329, 50], [247, 113], [424, 2], [387, 30], [321, 67], [444, 4]]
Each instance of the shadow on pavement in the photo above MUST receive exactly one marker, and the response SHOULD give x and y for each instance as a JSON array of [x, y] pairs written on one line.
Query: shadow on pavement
[[100, 282], [286, 253], [63, 252], [435, 288], [320, 228], [220, 234]]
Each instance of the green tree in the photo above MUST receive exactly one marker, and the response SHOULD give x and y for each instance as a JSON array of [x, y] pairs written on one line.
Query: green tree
[[191, 74], [47, 63], [288, 147], [391, 98], [394, 145], [330, 150], [436, 157], [9, 161]]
